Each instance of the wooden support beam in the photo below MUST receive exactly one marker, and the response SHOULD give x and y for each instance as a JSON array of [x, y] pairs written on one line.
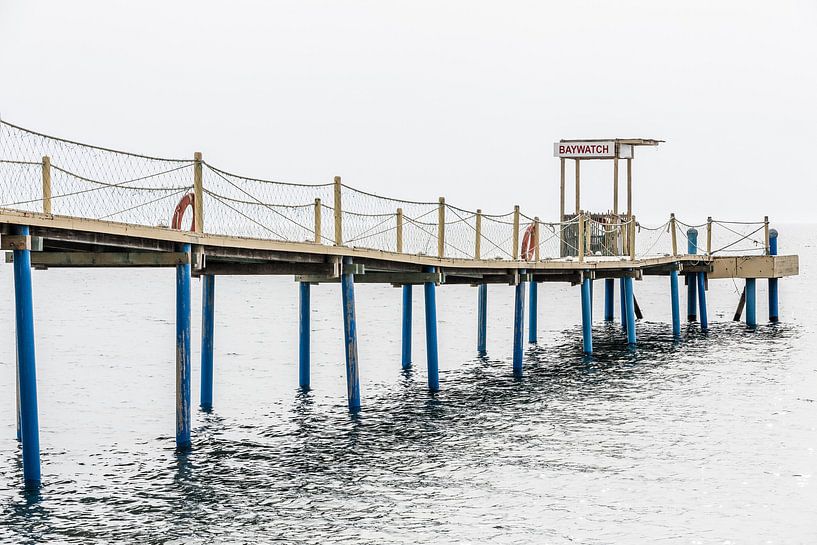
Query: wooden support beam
[[578, 187], [515, 251], [198, 191], [629, 188], [561, 189], [536, 238], [376, 278], [46, 185], [317, 221], [441, 228], [325, 270], [674, 231], [478, 235], [399, 230], [107, 259], [615, 183], [741, 303], [338, 213]]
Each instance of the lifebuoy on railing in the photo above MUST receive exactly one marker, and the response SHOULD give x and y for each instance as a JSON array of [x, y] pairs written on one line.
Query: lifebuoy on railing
[[528, 242], [189, 200]]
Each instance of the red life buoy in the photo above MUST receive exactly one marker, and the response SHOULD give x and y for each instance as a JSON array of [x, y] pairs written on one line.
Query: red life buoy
[[528, 245], [186, 201]]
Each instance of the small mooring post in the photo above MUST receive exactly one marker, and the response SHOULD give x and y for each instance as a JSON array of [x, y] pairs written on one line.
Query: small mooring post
[[751, 303], [773, 297], [630, 308], [26, 361], [407, 304], [304, 329], [609, 299], [347, 281], [587, 315], [533, 303], [482, 319], [430, 292], [183, 353], [208, 296], [518, 323], [692, 249], [702, 300], [676, 307]]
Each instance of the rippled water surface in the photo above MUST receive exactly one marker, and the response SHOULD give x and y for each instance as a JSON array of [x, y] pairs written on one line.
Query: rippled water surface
[[711, 440]]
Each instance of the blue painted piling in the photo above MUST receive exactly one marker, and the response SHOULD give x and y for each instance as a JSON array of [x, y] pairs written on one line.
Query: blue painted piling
[[208, 326], [609, 299], [518, 325], [533, 311], [622, 293], [183, 353], [692, 249], [26, 364], [482, 319], [702, 300], [630, 306], [773, 297], [587, 317], [304, 330], [430, 292], [407, 303], [676, 307], [751, 304], [347, 286]]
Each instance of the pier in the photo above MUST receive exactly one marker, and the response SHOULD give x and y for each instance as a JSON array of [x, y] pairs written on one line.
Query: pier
[[66, 204]]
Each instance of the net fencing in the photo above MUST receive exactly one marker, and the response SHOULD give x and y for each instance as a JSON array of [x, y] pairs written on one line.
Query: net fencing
[[40, 173]]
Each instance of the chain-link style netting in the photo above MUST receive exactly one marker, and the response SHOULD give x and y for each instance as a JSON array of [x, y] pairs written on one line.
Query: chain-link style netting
[[98, 183]]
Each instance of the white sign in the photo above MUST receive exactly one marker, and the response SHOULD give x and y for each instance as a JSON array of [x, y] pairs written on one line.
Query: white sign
[[585, 150]]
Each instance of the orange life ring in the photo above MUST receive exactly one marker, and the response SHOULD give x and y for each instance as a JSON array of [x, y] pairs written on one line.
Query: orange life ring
[[528, 245], [188, 200]]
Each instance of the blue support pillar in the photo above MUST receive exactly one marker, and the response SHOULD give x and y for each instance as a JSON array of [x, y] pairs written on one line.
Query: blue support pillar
[[533, 311], [26, 364], [692, 249], [208, 326], [183, 353], [518, 325], [407, 304], [347, 286], [751, 303], [676, 307], [304, 329], [773, 297], [630, 306], [702, 300], [482, 319], [587, 317], [609, 299], [622, 292], [430, 292]]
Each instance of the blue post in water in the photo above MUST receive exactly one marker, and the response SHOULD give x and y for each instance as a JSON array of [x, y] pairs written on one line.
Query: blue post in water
[[587, 317], [347, 286], [533, 300], [676, 307], [622, 293], [208, 326], [773, 299], [692, 249], [751, 305], [609, 299], [430, 291], [407, 303], [304, 331], [183, 353], [26, 364], [630, 305], [482, 319], [518, 325], [702, 300]]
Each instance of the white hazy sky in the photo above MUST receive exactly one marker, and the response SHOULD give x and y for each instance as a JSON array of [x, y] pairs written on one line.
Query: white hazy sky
[[421, 99]]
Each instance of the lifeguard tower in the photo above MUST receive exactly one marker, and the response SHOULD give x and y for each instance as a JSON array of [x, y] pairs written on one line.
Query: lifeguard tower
[[606, 233]]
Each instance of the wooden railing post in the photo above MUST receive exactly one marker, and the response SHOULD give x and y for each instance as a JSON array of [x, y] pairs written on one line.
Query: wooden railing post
[[441, 228], [515, 252], [766, 233], [580, 249], [588, 234], [672, 226], [198, 192], [47, 185], [632, 238], [317, 221], [399, 230], [536, 238], [478, 239], [709, 235], [338, 214]]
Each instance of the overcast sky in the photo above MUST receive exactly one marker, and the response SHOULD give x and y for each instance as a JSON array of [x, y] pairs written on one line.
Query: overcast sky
[[421, 99]]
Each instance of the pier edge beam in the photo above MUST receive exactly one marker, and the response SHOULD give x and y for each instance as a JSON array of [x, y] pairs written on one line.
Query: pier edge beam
[[630, 306], [587, 316], [347, 281], [751, 302], [482, 319], [430, 293], [692, 249], [304, 309], [518, 325], [702, 300], [208, 289], [183, 353], [676, 306], [609, 299], [407, 319], [533, 311], [774, 314], [26, 364]]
